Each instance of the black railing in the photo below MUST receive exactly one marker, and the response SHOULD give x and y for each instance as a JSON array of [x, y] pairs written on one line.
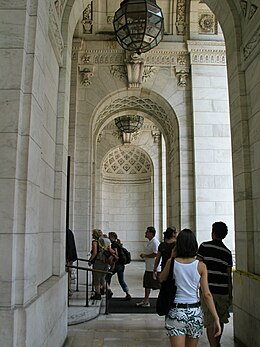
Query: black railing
[[87, 270]]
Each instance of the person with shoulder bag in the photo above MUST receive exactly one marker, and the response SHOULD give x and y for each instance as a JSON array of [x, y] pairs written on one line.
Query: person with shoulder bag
[[97, 260], [184, 321]]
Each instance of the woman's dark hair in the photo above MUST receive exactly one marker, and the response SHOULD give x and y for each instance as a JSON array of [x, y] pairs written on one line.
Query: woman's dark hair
[[114, 235], [170, 231], [186, 244]]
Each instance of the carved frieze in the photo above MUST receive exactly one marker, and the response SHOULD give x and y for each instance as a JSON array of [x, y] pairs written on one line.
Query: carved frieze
[[207, 53]]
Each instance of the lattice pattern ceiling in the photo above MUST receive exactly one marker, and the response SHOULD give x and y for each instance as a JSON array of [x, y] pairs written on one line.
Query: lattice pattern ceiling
[[127, 160]]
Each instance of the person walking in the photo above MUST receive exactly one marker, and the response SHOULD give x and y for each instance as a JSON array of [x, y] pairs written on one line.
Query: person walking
[[149, 282], [119, 267], [218, 259], [165, 249], [184, 322]]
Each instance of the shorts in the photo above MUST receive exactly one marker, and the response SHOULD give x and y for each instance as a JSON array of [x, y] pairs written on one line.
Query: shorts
[[222, 303], [184, 321], [149, 282], [99, 277]]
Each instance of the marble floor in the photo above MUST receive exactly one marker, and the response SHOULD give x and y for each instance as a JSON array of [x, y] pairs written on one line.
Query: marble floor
[[125, 330]]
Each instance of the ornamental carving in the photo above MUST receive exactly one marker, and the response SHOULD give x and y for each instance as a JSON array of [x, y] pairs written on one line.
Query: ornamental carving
[[182, 77], [86, 73], [118, 71], [59, 6], [248, 8], [207, 23], [250, 46], [180, 17], [135, 69], [55, 13], [87, 21], [149, 71]]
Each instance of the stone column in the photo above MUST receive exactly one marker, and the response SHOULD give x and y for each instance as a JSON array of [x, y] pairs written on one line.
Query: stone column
[[212, 143]]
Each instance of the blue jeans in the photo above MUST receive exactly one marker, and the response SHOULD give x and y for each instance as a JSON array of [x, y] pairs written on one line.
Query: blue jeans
[[119, 270], [120, 277]]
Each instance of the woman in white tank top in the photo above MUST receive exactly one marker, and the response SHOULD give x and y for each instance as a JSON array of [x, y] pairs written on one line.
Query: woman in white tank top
[[184, 322]]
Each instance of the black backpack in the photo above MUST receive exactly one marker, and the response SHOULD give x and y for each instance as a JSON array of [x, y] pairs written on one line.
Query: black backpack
[[124, 256]]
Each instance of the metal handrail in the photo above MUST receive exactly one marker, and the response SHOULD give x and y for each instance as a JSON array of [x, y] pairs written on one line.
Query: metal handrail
[[87, 270]]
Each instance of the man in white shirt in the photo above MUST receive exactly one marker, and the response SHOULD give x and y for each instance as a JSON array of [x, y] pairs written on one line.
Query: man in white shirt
[[149, 282]]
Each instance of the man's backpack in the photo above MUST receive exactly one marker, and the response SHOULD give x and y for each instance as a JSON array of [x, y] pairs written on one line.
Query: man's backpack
[[124, 256]]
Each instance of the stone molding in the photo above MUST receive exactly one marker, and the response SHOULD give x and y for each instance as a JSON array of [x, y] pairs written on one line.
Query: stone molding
[[206, 53]]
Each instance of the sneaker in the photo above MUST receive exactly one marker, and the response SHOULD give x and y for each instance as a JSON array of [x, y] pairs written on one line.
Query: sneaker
[[127, 297], [143, 304]]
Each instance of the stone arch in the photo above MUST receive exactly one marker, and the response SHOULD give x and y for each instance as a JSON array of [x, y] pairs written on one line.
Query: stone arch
[[155, 108], [159, 111]]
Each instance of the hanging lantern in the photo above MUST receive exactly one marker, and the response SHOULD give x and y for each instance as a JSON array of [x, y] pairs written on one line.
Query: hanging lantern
[[129, 124], [138, 25]]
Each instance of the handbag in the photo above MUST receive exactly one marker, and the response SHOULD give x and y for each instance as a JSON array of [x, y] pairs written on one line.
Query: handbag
[[166, 294]]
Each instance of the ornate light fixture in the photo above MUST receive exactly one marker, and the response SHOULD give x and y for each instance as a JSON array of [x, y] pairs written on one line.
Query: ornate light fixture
[[138, 25], [129, 124]]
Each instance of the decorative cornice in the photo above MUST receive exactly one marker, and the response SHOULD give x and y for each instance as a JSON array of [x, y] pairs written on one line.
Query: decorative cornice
[[206, 53]]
